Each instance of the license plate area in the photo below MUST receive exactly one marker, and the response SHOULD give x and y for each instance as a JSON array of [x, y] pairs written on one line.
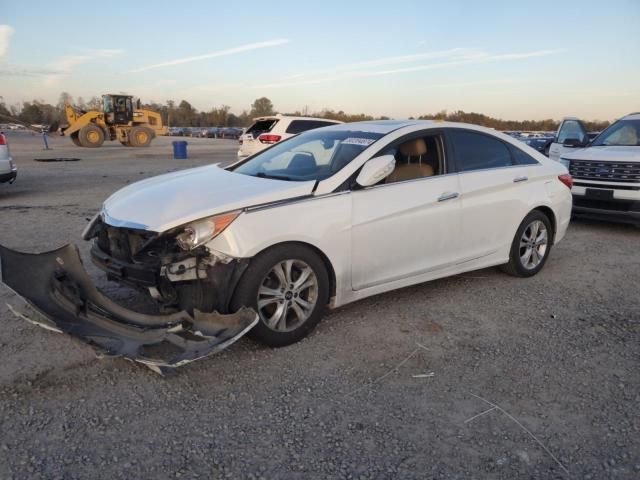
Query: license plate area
[[599, 194]]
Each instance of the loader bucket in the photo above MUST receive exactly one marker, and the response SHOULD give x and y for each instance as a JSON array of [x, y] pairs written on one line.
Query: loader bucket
[[57, 286]]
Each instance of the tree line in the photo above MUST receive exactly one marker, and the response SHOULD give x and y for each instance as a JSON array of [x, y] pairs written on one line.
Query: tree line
[[183, 114]]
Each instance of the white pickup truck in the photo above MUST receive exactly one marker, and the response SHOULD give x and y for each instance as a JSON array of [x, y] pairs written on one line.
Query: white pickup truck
[[605, 170]]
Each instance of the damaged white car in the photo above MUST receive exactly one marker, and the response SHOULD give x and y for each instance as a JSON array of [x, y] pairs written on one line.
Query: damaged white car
[[322, 219]]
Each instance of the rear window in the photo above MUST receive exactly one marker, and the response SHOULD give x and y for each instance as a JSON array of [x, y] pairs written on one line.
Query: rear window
[[522, 158], [299, 126], [262, 126], [475, 151]]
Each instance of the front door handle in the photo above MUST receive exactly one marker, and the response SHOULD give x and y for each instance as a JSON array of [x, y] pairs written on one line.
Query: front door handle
[[448, 196], [523, 178]]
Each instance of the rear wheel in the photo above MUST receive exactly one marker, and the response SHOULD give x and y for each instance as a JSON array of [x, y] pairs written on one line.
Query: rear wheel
[[75, 139], [91, 136], [288, 286], [140, 136], [531, 246]]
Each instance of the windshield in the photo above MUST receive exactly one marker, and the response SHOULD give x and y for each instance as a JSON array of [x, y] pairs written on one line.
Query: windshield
[[621, 133], [313, 155]]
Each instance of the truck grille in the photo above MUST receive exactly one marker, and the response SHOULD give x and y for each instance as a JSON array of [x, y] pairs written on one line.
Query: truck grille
[[605, 171]]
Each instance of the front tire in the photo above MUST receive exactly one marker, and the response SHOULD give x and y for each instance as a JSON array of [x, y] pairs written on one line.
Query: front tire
[[288, 286], [531, 246], [140, 136], [91, 136]]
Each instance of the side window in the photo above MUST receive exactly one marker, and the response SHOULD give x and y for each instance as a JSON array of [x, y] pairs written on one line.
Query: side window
[[476, 151], [571, 129], [417, 157], [522, 158]]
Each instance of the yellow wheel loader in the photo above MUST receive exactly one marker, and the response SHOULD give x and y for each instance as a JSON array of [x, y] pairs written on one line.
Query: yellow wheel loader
[[119, 120]]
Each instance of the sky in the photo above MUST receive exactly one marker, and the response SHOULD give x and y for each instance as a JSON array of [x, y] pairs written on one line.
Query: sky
[[508, 59]]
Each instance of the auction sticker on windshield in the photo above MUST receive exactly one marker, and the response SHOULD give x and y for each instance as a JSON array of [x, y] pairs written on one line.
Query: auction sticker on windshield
[[365, 142]]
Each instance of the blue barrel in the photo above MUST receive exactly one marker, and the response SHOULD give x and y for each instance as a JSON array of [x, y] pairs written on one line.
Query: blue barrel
[[179, 150]]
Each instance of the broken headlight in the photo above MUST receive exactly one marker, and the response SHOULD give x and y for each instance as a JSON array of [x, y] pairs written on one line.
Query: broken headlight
[[200, 232]]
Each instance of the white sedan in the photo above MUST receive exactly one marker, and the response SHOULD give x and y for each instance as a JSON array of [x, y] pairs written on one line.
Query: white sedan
[[328, 217]]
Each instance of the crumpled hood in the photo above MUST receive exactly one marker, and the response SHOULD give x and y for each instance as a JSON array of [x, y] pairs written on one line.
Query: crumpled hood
[[604, 154], [160, 203]]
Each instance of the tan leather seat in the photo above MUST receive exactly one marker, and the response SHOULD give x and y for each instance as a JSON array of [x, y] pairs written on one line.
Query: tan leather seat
[[412, 167]]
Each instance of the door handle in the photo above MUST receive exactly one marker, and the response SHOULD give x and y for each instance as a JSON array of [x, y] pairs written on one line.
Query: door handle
[[523, 178], [448, 196]]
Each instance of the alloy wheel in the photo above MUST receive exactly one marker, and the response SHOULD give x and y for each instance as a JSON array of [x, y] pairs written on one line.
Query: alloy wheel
[[287, 295], [533, 244]]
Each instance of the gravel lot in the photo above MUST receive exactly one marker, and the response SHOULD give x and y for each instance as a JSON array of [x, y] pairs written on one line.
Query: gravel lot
[[558, 353]]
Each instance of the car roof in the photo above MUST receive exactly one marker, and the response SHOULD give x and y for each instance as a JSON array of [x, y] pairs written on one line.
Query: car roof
[[632, 116], [387, 126]]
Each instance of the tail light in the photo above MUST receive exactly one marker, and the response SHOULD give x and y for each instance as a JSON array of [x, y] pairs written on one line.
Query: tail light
[[566, 179], [266, 138], [240, 140], [3, 140]]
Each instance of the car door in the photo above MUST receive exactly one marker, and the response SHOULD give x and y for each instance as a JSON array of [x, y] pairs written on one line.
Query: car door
[[405, 229], [570, 129], [492, 191]]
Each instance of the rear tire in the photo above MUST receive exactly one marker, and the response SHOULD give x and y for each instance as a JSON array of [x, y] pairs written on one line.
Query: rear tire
[[531, 246], [292, 284], [75, 139], [91, 136], [140, 136]]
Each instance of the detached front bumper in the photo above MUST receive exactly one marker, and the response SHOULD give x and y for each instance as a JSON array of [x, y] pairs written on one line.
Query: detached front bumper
[[57, 286]]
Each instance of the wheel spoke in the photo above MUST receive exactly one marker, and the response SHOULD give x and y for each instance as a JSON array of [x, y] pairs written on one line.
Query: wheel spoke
[[288, 266], [301, 314], [304, 304], [269, 292], [310, 283], [304, 274], [542, 238], [279, 273], [527, 256], [266, 301], [278, 315], [534, 230]]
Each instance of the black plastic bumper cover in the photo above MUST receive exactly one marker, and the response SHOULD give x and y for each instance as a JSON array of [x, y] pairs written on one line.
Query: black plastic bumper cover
[[56, 284]]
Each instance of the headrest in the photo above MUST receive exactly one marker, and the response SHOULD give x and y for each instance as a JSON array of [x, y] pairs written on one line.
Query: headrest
[[414, 148]]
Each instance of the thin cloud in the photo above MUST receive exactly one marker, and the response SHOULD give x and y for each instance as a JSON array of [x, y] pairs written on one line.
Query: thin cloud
[[6, 32], [26, 71], [395, 60], [65, 64], [475, 58], [221, 53]]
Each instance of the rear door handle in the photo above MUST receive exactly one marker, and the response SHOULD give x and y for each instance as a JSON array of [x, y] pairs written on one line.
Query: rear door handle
[[448, 196], [523, 178]]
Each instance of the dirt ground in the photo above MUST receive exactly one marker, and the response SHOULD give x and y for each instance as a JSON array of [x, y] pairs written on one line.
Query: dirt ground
[[402, 385]]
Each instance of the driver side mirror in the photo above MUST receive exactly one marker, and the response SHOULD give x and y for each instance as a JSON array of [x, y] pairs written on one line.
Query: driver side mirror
[[573, 143], [375, 170]]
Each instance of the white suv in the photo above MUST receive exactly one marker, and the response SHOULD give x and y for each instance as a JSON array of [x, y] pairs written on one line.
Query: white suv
[[8, 171], [265, 131], [606, 172]]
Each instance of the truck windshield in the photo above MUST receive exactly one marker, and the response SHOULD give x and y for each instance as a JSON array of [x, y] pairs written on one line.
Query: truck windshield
[[623, 133], [313, 155]]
